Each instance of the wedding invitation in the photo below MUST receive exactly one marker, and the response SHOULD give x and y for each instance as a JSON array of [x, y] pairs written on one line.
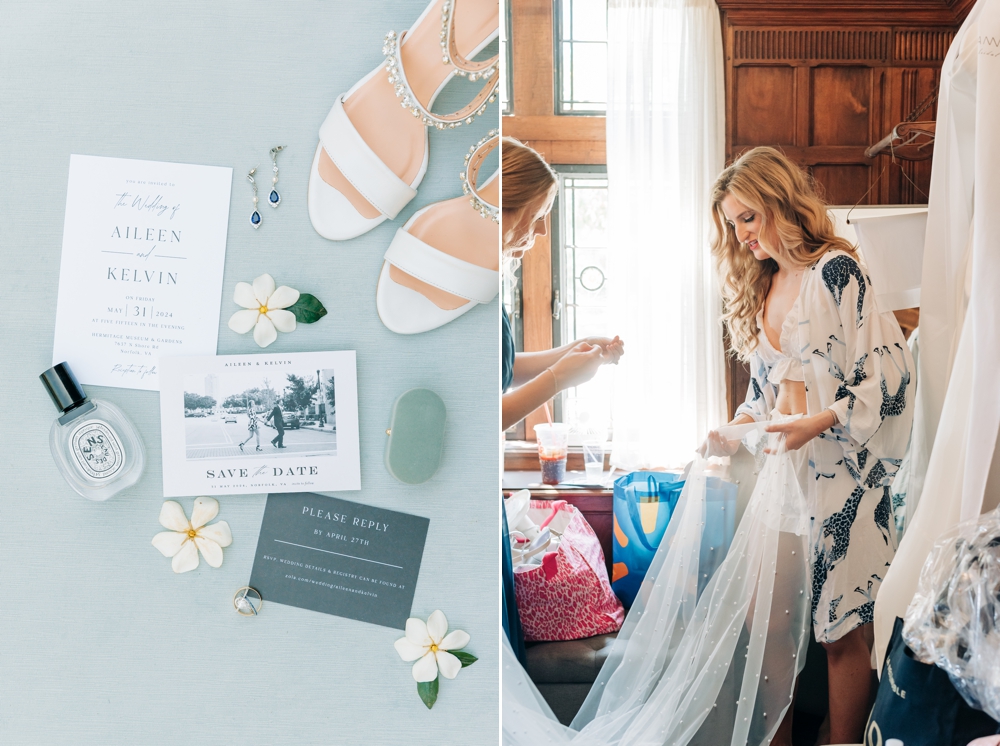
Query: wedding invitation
[[144, 244], [339, 557], [246, 424]]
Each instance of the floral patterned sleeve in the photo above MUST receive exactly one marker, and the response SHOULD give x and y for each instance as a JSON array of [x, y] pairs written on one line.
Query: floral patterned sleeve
[[867, 355]]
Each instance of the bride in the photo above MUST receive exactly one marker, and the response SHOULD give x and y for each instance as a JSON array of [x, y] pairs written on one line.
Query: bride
[[832, 384]]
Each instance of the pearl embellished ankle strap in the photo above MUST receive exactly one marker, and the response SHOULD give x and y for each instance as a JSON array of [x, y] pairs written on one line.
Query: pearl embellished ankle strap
[[449, 49], [473, 160], [397, 77]]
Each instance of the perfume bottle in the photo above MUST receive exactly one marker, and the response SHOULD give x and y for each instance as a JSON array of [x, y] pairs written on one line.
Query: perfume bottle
[[94, 444]]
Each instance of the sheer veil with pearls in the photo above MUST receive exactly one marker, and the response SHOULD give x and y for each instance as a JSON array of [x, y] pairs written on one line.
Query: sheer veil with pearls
[[719, 669]]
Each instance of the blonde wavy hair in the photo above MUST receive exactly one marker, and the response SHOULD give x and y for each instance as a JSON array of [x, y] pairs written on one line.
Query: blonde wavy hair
[[794, 223], [526, 179]]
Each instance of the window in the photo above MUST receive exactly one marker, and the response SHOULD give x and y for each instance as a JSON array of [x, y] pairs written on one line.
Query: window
[[581, 30], [580, 284], [563, 42], [506, 96]]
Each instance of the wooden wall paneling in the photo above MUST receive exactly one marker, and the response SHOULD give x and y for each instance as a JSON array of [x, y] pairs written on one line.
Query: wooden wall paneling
[[737, 377], [727, 78], [797, 45], [880, 126], [764, 104], [770, 13], [803, 92], [844, 184], [841, 105], [921, 45]]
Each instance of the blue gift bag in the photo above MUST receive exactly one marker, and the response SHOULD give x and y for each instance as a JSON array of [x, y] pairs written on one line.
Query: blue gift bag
[[644, 502]]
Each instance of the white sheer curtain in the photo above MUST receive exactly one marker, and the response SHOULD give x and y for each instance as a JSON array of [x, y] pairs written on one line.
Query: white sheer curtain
[[665, 141]]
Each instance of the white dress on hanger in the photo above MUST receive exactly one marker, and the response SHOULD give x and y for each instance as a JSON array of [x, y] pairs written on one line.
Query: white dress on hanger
[[955, 473]]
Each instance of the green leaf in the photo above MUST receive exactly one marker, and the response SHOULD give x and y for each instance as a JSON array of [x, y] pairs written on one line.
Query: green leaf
[[307, 309], [428, 691], [467, 658]]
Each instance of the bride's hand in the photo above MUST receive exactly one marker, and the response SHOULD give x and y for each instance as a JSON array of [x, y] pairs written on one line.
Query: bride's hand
[[799, 432], [716, 445]]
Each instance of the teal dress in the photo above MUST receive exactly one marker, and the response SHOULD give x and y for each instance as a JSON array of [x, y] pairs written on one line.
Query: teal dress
[[511, 620], [507, 360]]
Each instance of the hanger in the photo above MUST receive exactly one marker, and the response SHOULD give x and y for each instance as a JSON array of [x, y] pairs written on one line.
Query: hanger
[[909, 140]]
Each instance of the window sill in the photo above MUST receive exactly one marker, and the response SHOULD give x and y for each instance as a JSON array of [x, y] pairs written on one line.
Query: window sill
[[522, 455]]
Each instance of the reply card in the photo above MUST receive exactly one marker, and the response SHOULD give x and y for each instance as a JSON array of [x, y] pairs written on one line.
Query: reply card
[[144, 245], [238, 424], [339, 557]]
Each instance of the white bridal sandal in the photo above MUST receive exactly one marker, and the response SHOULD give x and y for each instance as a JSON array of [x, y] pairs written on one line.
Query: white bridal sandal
[[445, 260], [373, 145]]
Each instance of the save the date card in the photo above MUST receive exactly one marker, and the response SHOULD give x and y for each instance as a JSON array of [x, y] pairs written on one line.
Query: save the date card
[[246, 424], [339, 557]]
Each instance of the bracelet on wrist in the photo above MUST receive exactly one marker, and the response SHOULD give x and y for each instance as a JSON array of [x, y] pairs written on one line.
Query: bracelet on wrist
[[555, 381]]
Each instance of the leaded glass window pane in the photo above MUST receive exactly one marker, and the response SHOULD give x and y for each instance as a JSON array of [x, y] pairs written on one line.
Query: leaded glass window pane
[[581, 28]]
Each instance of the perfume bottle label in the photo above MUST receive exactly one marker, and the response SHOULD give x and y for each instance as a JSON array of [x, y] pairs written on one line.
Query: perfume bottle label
[[97, 449]]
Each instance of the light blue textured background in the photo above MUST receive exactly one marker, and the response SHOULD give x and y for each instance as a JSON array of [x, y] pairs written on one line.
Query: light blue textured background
[[100, 643]]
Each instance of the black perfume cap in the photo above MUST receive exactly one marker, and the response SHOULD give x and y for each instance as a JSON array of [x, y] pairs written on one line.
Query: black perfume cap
[[65, 390]]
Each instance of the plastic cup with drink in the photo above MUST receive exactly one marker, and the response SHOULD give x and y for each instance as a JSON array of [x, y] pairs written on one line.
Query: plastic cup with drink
[[553, 443]]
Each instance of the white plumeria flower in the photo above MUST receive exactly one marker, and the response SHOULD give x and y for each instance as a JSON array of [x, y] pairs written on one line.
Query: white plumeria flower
[[430, 644], [185, 538], [265, 312]]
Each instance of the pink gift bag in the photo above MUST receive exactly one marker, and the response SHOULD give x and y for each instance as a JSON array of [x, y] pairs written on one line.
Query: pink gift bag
[[568, 596]]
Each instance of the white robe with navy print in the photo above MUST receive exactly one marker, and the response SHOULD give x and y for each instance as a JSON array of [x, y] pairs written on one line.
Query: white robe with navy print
[[856, 363]]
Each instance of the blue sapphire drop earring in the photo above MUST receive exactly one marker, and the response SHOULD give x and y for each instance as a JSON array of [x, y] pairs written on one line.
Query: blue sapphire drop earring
[[255, 217], [274, 199]]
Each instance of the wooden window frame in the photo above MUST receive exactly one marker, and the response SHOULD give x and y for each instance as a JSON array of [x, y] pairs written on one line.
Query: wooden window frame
[[563, 139], [556, 244]]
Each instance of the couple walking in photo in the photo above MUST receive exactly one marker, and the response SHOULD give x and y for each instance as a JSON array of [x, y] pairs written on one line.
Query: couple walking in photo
[[253, 426]]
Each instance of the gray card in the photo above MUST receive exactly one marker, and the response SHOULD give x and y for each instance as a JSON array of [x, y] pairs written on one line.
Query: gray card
[[339, 557]]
